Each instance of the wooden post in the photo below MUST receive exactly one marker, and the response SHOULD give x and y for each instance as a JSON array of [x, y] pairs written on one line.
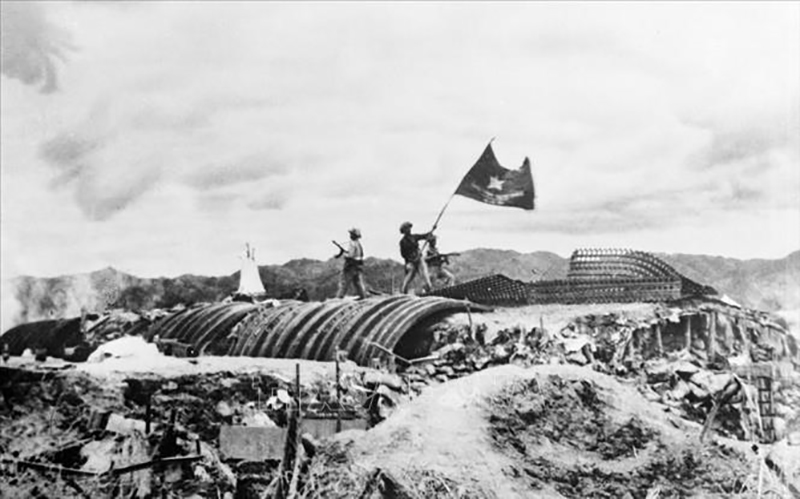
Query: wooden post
[[148, 414], [687, 332], [338, 396], [297, 387], [659, 341], [471, 328], [741, 324], [712, 335]]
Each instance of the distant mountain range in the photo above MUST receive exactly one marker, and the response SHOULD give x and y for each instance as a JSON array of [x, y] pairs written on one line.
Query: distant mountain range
[[771, 285]]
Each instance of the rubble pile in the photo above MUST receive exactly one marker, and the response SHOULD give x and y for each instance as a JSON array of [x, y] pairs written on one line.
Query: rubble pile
[[134, 436], [116, 324], [76, 338], [787, 406], [564, 433], [460, 350], [685, 381], [132, 422], [604, 339], [334, 474]]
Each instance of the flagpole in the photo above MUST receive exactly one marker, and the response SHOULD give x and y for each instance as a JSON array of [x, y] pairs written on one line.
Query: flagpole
[[438, 218], [435, 224]]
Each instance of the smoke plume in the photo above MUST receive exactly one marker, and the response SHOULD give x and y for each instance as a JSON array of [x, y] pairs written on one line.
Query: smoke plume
[[10, 306]]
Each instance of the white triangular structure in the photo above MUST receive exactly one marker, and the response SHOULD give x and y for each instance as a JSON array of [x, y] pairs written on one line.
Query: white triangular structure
[[249, 280], [730, 301]]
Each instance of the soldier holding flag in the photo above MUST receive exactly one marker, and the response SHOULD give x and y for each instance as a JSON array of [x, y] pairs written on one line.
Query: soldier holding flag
[[414, 263], [487, 182]]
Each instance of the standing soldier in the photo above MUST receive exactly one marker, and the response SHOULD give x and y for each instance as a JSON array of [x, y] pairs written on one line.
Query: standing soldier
[[437, 261], [414, 263], [353, 270]]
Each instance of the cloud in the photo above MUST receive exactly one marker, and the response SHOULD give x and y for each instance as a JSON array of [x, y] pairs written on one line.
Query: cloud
[[68, 154], [106, 170], [245, 170], [313, 119], [269, 201], [31, 46], [216, 202], [751, 136]]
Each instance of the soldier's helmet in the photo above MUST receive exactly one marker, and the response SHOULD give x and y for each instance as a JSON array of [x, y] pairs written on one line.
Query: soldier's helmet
[[355, 232], [405, 227]]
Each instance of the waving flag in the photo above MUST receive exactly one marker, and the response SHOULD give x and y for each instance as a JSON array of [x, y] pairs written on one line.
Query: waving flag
[[490, 183]]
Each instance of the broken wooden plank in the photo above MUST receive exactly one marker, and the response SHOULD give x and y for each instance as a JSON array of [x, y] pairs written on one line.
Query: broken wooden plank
[[252, 443], [48, 467], [117, 471], [324, 428], [156, 462]]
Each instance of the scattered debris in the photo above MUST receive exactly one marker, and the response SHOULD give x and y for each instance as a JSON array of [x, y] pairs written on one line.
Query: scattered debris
[[111, 427]]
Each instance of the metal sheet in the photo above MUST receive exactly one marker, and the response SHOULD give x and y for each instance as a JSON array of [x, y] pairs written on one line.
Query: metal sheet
[[205, 327], [304, 330]]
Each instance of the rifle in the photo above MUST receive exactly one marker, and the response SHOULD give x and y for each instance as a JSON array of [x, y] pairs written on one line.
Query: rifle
[[342, 251], [441, 257]]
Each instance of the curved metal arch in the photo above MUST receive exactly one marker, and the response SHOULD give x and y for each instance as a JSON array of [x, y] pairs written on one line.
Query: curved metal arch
[[389, 337], [219, 329], [258, 332], [198, 320], [358, 347], [205, 320], [300, 314], [310, 328], [385, 320], [305, 330], [171, 327], [275, 333], [333, 329], [161, 326], [354, 330], [201, 326]]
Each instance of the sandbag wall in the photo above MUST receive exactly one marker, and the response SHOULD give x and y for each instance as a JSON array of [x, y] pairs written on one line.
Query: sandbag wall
[[313, 331]]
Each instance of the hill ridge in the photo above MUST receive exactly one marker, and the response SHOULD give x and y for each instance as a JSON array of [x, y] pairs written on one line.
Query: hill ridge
[[770, 285]]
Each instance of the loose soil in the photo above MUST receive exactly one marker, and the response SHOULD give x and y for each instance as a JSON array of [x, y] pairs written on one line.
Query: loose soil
[[546, 431]]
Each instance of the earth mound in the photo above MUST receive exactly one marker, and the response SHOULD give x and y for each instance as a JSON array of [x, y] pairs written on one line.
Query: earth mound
[[545, 431]]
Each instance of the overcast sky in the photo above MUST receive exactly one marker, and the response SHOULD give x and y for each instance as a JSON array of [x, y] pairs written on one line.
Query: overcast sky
[[158, 138]]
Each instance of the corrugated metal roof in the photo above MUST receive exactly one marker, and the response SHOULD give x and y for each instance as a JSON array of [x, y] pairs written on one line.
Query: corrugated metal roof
[[205, 327], [304, 330]]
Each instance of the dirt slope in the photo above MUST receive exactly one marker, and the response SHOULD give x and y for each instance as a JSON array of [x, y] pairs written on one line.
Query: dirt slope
[[445, 431], [453, 431]]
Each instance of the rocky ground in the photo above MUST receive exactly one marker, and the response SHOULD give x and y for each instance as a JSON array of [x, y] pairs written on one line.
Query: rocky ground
[[511, 404]]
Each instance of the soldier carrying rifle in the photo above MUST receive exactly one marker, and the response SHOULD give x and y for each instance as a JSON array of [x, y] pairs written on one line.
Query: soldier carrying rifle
[[353, 269], [437, 261]]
